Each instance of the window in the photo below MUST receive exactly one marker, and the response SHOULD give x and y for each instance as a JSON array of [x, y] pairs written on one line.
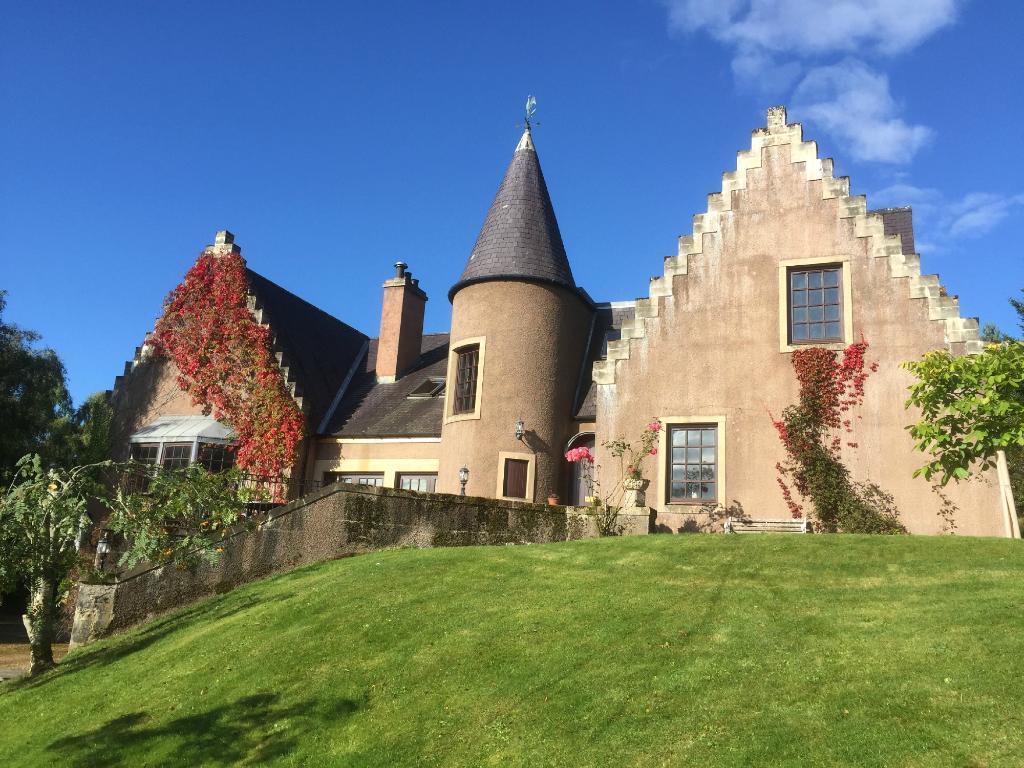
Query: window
[[815, 306], [216, 457], [177, 455], [145, 453], [693, 464], [424, 482], [355, 478], [427, 389], [514, 484], [467, 360]]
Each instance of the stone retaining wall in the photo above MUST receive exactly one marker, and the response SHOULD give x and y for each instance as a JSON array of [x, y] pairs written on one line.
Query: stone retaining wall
[[334, 522]]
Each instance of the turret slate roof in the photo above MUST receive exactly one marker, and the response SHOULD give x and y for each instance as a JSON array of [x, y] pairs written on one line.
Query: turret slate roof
[[519, 239]]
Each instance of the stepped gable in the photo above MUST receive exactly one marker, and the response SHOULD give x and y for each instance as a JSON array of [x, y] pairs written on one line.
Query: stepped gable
[[316, 351], [520, 239], [942, 308], [609, 319], [372, 408]]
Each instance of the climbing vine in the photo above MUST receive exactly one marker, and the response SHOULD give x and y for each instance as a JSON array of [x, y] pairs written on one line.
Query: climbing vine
[[225, 362], [812, 432]]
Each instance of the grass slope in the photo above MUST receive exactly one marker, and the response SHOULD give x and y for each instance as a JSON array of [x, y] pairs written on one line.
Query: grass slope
[[661, 650]]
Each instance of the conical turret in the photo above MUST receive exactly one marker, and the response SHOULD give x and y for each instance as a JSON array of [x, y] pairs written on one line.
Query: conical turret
[[519, 239], [520, 327]]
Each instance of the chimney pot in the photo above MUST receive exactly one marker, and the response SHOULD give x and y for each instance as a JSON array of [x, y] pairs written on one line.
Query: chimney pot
[[400, 267]]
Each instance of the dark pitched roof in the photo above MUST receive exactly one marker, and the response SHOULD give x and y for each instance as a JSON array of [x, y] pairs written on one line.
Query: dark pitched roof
[[608, 321], [899, 221], [520, 237], [319, 350], [376, 409]]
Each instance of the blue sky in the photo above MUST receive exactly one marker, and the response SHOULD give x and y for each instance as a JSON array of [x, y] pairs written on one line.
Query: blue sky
[[336, 138]]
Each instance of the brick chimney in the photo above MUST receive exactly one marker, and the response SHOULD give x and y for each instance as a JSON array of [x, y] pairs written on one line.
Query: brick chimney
[[401, 324]]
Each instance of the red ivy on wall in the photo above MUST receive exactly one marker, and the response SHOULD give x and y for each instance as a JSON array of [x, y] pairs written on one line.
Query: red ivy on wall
[[225, 362], [811, 430]]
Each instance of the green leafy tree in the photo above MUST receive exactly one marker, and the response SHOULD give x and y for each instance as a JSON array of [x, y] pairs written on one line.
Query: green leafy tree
[[181, 515], [972, 406], [42, 518], [1018, 307], [34, 400], [991, 334]]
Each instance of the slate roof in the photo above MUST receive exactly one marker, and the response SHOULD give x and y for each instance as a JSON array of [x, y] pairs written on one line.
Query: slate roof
[[899, 221], [378, 409], [520, 237], [318, 349], [608, 321]]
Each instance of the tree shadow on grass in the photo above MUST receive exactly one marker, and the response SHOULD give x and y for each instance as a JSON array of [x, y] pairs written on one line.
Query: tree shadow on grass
[[139, 638], [252, 730]]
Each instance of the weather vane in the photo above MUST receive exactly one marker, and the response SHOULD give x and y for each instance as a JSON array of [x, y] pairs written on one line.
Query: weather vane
[[531, 109]]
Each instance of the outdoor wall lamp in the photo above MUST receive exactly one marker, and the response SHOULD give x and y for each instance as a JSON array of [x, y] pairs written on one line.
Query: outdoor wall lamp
[[103, 549], [520, 429], [463, 479]]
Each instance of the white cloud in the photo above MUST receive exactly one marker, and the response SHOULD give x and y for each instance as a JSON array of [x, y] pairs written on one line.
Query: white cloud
[[774, 41], [922, 198], [853, 103], [944, 219], [814, 27], [980, 212]]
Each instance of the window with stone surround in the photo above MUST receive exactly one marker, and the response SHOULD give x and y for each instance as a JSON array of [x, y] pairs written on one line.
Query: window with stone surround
[[515, 478], [466, 367], [815, 304], [692, 463]]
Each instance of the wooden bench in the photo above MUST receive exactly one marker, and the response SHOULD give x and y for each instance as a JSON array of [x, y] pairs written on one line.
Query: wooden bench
[[740, 525]]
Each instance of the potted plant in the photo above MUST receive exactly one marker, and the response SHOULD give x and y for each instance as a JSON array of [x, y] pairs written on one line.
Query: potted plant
[[552, 499], [633, 455]]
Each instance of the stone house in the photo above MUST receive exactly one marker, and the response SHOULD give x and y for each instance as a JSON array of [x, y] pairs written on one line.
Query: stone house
[[531, 366]]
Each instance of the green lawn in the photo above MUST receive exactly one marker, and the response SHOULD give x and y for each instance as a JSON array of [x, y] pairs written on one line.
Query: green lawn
[[661, 650]]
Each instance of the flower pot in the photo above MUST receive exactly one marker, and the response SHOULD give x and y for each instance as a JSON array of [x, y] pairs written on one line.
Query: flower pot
[[553, 500], [635, 484]]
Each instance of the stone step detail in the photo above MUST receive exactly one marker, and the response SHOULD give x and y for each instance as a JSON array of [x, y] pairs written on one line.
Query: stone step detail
[[941, 306]]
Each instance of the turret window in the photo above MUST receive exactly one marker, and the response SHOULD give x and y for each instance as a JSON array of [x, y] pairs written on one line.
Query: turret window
[[463, 387], [466, 367]]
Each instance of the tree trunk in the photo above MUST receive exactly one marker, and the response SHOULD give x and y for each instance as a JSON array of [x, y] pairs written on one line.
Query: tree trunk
[[39, 625]]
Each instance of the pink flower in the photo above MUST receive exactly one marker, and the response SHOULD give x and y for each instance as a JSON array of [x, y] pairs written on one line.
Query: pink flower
[[654, 451], [654, 426], [582, 453]]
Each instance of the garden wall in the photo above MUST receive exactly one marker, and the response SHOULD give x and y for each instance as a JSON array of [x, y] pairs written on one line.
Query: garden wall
[[337, 521]]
